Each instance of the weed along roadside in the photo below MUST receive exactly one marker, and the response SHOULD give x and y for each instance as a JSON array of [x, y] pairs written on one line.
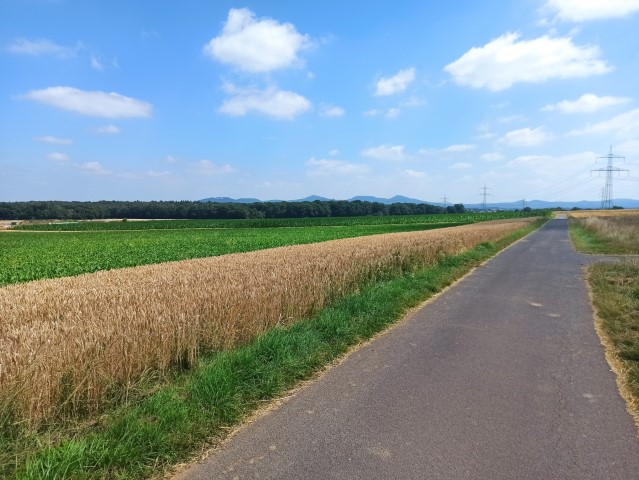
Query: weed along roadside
[[614, 288], [154, 430]]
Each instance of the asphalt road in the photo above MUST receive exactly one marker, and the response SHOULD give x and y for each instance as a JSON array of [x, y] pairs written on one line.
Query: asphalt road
[[501, 377]]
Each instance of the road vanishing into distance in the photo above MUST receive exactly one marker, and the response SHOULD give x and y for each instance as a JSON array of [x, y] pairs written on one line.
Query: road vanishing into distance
[[500, 377]]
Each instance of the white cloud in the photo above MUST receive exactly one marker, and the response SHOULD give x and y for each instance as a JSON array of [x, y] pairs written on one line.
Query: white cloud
[[40, 47], [392, 113], [322, 167], [395, 84], [94, 104], [331, 111], [58, 157], [492, 157], [414, 173], [373, 112], [551, 166], [257, 45], [526, 137], [94, 168], [452, 149], [413, 102], [587, 103], [584, 10], [280, 104], [461, 166], [458, 148], [208, 168], [96, 64], [507, 60], [108, 130], [334, 152], [54, 140], [385, 152], [624, 126]]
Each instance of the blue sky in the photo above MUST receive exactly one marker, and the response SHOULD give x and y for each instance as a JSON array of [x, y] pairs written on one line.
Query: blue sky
[[166, 100]]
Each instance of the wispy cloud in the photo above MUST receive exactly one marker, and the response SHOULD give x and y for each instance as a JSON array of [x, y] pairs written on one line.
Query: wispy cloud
[[526, 137], [331, 111], [587, 103], [393, 153], [54, 140], [395, 84], [94, 104], [328, 167], [41, 47]]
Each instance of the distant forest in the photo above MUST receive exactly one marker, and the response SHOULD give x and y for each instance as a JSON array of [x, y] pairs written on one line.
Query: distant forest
[[204, 210]]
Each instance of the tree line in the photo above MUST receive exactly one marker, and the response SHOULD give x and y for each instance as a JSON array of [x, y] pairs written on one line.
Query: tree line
[[58, 210]]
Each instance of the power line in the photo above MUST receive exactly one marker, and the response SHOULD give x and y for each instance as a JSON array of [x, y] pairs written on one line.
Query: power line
[[445, 199], [606, 193]]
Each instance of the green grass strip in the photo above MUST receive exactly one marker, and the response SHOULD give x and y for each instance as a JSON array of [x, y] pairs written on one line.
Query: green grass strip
[[586, 241], [168, 426]]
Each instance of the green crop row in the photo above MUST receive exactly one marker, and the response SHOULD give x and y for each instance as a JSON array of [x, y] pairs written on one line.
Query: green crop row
[[458, 218], [26, 256]]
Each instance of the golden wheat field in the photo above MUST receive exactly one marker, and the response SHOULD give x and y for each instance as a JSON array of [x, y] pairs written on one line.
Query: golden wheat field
[[68, 341]]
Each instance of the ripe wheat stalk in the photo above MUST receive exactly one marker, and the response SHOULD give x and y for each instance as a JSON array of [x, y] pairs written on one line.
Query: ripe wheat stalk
[[65, 343]]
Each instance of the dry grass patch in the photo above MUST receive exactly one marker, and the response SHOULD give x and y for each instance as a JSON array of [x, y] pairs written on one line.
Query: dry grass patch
[[608, 234], [68, 345]]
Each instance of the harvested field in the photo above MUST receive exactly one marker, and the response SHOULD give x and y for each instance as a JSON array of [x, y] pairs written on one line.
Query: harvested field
[[603, 213], [66, 344]]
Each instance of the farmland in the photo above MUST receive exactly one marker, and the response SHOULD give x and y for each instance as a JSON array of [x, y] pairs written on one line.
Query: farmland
[[85, 247], [74, 349], [461, 218]]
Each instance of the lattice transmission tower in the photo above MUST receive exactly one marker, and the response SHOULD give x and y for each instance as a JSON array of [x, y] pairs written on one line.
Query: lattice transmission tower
[[606, 192], [484, 194]]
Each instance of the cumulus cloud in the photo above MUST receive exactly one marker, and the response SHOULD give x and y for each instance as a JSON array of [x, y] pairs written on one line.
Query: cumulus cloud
[[54, 140], [587, 103], [327, 167], [526, 137], [395, 84], [58, 157], [334, 152], [256, 45], [40, 47], [280, 104], [93, 104], [584, 10], [385, 152], [332, 111], [624, 126], [208, 168], [502, 62]]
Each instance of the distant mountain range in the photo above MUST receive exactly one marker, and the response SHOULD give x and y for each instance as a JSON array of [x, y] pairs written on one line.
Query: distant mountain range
[[535, 204]]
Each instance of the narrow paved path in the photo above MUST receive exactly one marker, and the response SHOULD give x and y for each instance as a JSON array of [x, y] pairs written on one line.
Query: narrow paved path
[[501, 377]]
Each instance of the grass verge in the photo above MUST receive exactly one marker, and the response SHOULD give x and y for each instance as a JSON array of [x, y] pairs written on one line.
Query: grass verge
[[586, 241], [615, 294], [199, 406]]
